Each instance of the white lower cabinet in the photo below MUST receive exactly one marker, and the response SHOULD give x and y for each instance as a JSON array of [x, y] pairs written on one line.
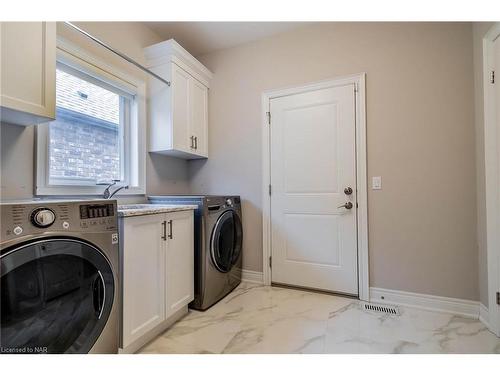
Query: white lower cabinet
[[180, 261], [157, 253]]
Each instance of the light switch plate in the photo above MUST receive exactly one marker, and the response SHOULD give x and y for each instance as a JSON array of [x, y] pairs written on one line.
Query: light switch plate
[[377, 183]]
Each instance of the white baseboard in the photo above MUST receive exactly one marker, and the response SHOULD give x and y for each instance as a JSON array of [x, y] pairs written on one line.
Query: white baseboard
[[252, 276], [484, 316], [426, 301]]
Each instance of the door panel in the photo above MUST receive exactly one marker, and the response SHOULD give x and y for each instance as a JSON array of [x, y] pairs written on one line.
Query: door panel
[[180, 112], [322, 232], [180, 260], [312, 161], [143, 275], [310, 174]]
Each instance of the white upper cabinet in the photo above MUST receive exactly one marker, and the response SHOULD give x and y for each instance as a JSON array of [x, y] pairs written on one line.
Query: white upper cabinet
[[28, 72], [179, 113]]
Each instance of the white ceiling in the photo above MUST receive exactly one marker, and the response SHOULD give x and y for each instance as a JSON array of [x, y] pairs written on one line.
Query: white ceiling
[[203, 37]]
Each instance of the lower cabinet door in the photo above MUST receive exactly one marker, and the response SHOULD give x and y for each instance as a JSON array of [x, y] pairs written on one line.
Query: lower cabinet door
[[180, 260], [143, 274]]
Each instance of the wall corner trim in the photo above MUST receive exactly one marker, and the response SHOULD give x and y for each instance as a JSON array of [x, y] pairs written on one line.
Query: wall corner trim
[[456, 306], [252, 276], [492, 177], [484, 316]]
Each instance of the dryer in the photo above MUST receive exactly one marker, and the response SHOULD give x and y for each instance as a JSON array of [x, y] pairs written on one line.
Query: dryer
[[59, 285], [218, 239]]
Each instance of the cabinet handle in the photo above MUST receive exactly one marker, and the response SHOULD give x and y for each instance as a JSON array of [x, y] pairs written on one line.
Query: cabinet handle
[[192, 141], [164, 236], [196, 143], [170, 231]]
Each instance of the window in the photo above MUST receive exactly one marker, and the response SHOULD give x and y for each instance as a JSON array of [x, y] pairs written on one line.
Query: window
[[96, 136], [86, 140]]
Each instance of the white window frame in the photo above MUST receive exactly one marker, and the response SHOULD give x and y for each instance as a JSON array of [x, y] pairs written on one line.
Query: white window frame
[[134, 164]]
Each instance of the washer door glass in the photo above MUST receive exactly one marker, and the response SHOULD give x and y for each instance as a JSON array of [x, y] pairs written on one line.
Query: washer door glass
[[56, 296], [226, 241]]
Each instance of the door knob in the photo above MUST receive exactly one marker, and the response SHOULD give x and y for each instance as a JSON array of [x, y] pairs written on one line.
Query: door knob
[[347, 205], [348, 190]]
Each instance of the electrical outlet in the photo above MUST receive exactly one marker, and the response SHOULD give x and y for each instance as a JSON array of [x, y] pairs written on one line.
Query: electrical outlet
[[377, 183]]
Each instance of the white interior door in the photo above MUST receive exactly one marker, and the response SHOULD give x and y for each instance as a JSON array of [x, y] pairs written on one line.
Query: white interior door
[[313, 239]]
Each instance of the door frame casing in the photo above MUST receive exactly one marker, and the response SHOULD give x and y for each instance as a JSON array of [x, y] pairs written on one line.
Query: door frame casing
[[492, 177], [358, 82]]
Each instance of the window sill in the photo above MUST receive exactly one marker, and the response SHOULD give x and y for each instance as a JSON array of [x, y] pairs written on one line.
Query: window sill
[[69, 191]]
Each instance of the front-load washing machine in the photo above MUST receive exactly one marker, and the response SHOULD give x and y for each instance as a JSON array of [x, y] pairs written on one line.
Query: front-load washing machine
[[59, 285], [218, 238]]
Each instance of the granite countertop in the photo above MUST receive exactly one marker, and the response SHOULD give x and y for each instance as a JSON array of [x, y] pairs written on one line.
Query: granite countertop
[[126, 210]]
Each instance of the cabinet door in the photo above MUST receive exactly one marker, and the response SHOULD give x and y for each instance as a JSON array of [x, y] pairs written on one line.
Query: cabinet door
[[180, 260], [198, 94], [143, 275], [180, 109], [28, 67]]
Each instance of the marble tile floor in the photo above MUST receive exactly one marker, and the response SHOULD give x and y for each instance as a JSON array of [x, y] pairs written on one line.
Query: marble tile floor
[[262, 319]]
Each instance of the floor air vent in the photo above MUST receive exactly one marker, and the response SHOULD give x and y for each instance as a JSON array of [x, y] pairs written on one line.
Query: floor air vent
[[381, 308]]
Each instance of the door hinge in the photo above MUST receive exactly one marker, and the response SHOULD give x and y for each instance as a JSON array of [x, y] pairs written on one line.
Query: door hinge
[[270, 189], [492, 76], [268, 117], [498, 298], [270, 262]]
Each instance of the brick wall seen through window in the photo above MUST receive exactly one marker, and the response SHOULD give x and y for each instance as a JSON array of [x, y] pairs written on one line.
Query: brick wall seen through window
[[84, 140]]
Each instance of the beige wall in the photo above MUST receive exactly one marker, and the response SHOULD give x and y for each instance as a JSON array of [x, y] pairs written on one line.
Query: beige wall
[[420, 125], [164, 175], [420, 120], [479, 30]]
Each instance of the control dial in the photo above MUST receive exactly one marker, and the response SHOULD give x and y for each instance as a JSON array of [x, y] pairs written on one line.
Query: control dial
[[43, 217]]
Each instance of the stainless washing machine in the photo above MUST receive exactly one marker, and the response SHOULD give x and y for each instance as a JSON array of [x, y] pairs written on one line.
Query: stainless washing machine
[[218, 238], [59, 284]]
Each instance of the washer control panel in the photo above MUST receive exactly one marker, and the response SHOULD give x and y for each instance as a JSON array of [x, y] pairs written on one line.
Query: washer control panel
[[97, 215], [37, 217], [95, 211]]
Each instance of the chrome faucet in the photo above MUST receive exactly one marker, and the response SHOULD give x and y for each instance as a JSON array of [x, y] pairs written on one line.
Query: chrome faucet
[[107, 194], [116, 191]]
